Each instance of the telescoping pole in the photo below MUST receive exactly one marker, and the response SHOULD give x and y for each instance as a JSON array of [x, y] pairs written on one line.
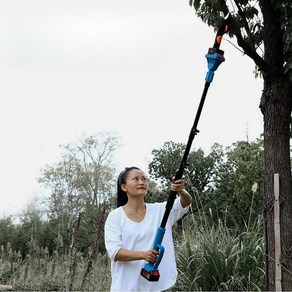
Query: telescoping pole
[[215, 57]]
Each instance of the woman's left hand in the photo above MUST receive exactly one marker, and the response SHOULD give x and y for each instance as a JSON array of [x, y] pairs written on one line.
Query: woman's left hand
[[178, 186]]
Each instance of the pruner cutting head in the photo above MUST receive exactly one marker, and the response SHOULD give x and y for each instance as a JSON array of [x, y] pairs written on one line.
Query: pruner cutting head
[[222, 26]]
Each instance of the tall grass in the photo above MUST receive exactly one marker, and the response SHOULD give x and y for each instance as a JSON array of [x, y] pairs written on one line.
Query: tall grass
[[210, 257], [40, 271]]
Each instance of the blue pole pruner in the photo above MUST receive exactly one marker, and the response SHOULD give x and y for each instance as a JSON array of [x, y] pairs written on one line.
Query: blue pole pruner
[[215, 57]]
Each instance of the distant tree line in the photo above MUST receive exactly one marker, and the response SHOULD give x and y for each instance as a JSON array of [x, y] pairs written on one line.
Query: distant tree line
[[226, 184]]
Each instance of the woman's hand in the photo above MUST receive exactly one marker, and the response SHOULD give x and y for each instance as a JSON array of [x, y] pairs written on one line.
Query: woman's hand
[[151, 255], [178, 186]]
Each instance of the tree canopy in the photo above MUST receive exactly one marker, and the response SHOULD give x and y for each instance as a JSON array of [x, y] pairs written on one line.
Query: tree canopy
[[250, 27], [226, 183]]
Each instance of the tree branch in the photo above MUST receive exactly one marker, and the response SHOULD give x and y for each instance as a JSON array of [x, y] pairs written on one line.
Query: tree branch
[[243, 17], [246, 46]]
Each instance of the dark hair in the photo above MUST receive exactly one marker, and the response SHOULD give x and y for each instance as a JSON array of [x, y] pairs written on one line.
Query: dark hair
[[122, 198]]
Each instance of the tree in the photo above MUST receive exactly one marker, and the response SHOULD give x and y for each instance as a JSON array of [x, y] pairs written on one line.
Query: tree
[[82, 181], [267, 24], [200, 171], [93, 159], [6, 230], [237, 192], [165, 162], [32, 216], [226, 184]]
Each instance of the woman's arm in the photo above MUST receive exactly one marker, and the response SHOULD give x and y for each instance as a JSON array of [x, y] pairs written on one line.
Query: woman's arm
[[133, 255]]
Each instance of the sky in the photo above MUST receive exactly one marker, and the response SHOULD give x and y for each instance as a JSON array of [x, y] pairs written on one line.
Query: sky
[[70, 67]]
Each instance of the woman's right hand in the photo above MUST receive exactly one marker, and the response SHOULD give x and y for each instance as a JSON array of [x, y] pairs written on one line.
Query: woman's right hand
[[151, 255]]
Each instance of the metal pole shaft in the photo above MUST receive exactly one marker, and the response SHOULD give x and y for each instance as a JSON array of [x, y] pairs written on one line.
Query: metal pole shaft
[[183, 164]]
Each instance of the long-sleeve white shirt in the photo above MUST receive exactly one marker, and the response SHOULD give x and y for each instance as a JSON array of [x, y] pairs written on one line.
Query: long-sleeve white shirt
[[120, 231]]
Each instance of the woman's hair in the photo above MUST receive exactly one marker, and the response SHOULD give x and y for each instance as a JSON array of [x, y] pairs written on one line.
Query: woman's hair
[[122, 198]]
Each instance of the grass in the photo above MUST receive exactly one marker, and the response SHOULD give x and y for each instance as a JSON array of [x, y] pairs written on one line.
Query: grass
[[213, 258], [41, 272], [210, 257]]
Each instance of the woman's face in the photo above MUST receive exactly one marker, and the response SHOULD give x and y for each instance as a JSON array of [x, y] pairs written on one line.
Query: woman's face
[[136, 183]]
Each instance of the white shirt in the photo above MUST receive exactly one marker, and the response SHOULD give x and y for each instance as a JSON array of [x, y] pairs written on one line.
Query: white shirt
[[120, 231]]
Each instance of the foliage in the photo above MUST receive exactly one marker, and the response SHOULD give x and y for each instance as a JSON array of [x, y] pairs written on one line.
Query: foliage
[[200, 169], [237, 192], [77, 268], [81, 182], [55, 253], [286, 25], [226, 181], [155, 193], [6, 230], [249, 27], [213, 258], [209, 257], [165, 162], [83, 176], [40, 271]]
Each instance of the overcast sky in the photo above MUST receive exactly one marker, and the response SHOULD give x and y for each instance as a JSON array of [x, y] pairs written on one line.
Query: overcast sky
[[133, 67]]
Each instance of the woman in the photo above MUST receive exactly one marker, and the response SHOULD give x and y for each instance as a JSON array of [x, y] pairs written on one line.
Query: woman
[[130, 230]]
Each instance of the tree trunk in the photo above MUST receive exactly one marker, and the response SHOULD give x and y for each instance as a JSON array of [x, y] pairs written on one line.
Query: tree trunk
[[276, 108], [276, 104]]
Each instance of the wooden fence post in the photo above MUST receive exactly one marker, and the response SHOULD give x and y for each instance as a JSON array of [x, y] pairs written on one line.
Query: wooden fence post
[[278, 272]]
